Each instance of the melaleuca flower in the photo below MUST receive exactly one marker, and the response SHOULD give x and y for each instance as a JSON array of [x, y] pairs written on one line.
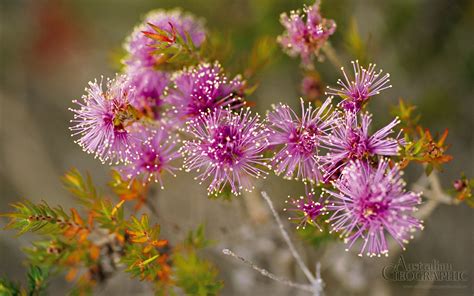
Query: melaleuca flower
[[140, 47], [201, 89], [149, 85], [305, 37], [351, 141], [366, 83], [142, 62], [102, 120], [307, 210], [226, 148], [370, 203], [155, 152], [298, 139]]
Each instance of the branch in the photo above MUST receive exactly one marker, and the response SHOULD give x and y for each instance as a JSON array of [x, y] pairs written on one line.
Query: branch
[[316, 283], [431, 188], [268, 274], [286, 237]]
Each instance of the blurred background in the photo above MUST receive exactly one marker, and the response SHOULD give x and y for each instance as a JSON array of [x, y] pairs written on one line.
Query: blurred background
[[50, 49]]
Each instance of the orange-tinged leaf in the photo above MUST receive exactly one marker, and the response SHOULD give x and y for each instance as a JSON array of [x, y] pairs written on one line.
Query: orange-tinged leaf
[[445, 158], [147, 249], [142, 239], [71, 274], [76, 218], [71, 231], [428, 135], [129, 196], [159, 243], [83, 233], [90, 219], [73, 258], [130, 191], [158, 29], [161, 35], [443, 137], [134, 233], [94, 252], [120, 237], [72, 179], [158, 37], [164, 273]]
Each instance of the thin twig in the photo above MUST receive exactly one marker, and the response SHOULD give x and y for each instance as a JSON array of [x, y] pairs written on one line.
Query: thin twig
[[268, 274], [286, 237], [434, 194], [426, 210], [437, 190], [318, 285], [431, 189]]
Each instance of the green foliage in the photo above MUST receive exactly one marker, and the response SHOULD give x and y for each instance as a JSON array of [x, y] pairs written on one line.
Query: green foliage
[[407, 116], [70, 244], [172, 51], [9, 288], [110, 216], [143, 257], [39, 218], [354, 43], [37, 281], [196, 239], [261, 54], [129, 190], [151, 259], [141, 265], [425, 149], [420, 145], [81, 187], [195, 276], [36, 284], [49, 252], [192, 274], [79, 259], [141, 232]]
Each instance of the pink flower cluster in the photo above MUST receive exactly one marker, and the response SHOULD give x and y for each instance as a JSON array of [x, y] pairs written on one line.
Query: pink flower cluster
[[145, 121], [305, 32]]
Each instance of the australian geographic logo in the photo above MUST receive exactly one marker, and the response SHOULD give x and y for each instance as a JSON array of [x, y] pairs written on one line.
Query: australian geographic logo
[[434, 271]]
